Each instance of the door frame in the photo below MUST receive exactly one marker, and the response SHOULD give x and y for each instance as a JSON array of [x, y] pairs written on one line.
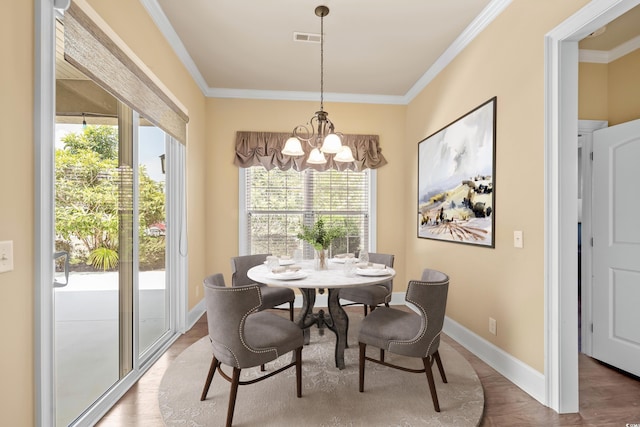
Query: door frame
[[561, 213], [45, 13]]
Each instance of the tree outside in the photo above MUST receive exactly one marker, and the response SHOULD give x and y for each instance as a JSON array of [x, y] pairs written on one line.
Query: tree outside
[[88, 197]]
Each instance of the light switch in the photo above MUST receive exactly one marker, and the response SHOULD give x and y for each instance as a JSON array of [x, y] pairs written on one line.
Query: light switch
[[517, 239], [6, 256]]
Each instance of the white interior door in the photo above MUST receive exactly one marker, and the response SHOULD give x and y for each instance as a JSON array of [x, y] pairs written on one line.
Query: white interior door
[[616, 246]]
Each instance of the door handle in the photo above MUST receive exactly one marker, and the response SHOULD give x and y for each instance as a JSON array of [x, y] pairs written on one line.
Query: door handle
[[57, 255]]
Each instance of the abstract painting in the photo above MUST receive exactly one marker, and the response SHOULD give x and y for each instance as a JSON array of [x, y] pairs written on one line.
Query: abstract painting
[[456, 179]]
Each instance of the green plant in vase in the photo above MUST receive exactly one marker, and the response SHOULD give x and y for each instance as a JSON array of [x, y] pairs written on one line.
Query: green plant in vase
[[320, 237]]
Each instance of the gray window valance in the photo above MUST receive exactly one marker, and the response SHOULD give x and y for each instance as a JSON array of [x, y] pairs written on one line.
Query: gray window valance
[[265, 149]]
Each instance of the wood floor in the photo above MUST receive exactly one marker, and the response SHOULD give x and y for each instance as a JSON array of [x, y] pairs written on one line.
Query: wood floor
[[607, 397]]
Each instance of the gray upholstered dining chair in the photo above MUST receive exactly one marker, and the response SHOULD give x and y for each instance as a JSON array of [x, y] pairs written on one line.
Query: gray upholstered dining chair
[[408, 333], [372, 295], [272, 296], [243, 337]]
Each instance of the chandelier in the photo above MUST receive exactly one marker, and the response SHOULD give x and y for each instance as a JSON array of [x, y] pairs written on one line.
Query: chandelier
[[319, 132]]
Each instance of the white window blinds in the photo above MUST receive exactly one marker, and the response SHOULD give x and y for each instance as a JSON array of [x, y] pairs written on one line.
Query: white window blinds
[[279, 202]]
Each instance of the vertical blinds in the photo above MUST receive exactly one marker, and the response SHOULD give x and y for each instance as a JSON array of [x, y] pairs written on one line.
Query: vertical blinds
[[90, 49], [279, 202]]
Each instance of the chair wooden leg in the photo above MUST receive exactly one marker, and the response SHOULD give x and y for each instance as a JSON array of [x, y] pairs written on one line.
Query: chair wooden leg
[[432, 385], [382, 355], [366, 310], [436, 356], [299, 371], [207, 384], [291, 311], [232, 395], [262, 368], [363, 348]]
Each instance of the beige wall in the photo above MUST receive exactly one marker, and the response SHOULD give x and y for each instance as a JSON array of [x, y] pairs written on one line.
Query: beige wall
[[611, 91], [593, 93], [624, 89], [226, 116], [505, 283], [16, 214], [507, 61]]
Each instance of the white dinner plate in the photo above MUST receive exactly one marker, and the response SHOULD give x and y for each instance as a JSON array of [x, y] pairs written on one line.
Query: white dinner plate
[[339, 260], [288, 275], [285, 262], [372, 271]]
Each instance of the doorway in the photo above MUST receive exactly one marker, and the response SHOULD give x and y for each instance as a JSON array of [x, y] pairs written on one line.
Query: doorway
[[561, 59]]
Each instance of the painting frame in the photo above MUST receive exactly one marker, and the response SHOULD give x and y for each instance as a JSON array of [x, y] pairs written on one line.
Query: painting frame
[[456, 179]]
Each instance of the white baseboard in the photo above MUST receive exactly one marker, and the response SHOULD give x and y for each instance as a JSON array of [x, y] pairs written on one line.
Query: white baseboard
[[524, 376], [195, 313]]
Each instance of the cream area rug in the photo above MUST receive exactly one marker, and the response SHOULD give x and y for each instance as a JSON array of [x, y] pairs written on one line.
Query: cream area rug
[[330, 396]]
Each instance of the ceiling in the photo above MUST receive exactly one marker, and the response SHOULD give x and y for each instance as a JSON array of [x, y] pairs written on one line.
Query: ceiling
[[624, 29], [374, 51], [372, 48]]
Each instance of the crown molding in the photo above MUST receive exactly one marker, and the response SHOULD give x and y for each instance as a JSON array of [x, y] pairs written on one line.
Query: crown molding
[[488, 14], [163, 24], [593, 56], [284, 95], [485, 17], [608, 56]]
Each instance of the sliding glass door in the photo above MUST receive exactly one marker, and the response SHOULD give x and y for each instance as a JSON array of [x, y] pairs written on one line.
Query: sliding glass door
[[115, 298], [90, 224], [153, 297]]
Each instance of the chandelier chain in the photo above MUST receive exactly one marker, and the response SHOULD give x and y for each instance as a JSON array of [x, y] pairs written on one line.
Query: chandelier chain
[[322, 62]]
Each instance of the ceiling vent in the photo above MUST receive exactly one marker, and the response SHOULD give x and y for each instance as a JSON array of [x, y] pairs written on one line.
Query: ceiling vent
[[306, 37]]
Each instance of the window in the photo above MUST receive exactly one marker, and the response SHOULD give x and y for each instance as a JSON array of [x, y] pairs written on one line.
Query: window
[[275, 203]]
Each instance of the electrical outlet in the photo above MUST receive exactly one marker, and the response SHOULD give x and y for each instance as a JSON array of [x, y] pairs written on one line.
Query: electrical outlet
[[493, 326], [6, 256]]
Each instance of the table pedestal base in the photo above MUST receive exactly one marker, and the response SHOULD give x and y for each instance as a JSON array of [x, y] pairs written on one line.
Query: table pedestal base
[[336, 320]]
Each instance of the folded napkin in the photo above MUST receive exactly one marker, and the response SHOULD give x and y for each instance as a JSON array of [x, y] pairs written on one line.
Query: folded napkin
[[371, 265], [344, 256], [289, 268]]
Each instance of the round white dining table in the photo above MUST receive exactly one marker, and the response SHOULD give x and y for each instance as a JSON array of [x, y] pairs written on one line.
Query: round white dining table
[[308, 281]]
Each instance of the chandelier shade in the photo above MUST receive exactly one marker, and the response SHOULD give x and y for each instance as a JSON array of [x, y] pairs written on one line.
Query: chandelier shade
[[331, 144], [293, 147], [345, 155], [316, 157], [319, 132]]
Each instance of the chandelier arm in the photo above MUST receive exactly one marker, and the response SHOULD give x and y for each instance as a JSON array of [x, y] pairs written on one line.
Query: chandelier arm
[[303, 133]]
